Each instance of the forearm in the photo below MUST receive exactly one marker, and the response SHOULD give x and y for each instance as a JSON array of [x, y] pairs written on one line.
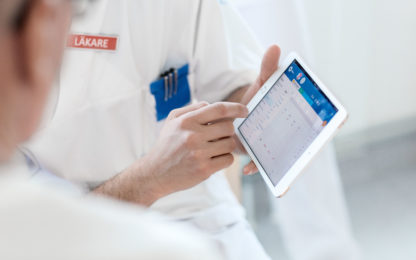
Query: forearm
[[133, 185]]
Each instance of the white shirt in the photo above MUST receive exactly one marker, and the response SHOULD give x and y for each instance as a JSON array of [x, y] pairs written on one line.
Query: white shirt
[[105, 114], [38, 222]]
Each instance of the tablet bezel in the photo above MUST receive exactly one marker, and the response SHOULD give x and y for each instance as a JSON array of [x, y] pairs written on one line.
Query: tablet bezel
[[319, 142]]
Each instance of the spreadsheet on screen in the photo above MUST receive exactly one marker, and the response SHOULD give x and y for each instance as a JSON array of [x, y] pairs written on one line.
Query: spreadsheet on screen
[[286, 121]]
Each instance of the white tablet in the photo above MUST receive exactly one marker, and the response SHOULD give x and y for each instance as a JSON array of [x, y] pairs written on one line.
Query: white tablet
[[291, 118]]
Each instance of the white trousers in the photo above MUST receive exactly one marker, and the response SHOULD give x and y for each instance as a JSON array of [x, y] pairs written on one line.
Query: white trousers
[[235, 238], [313, 215]]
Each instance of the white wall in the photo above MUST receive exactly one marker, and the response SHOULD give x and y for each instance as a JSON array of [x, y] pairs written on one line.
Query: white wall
[[365, 50]]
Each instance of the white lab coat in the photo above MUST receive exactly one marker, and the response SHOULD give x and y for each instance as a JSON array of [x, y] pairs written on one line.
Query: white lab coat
[[38, 222], [105, 114]]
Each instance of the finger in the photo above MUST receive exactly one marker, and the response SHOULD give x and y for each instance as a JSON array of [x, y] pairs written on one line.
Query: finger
[[221, 162], [218, 111], [218, 130], [268, 66], [250, 168], [269, 63], [181, 111], [221, 147]]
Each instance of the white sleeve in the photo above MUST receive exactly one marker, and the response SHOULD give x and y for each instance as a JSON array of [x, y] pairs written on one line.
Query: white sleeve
[[227, 54], [39, 224]]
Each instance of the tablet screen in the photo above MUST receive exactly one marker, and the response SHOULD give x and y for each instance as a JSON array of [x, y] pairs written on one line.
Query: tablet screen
[[286, 121]]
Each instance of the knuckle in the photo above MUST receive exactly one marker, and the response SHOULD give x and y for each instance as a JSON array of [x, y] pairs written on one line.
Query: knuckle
[[192, 156], [173, 114], [243, 110], [232, 144], [184, 123], [229, 129], [221, 108], [196, 155], [229, 159], [204, 169], [203, 103], [191, 140]]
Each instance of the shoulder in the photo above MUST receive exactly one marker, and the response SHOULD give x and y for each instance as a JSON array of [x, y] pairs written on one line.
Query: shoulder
[[45, 223]]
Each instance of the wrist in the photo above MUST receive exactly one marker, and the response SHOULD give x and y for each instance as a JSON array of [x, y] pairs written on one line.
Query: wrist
[[143, 183], [135, 184]]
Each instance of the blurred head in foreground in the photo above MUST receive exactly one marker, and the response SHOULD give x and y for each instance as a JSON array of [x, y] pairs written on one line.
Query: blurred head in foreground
[[32, 39]]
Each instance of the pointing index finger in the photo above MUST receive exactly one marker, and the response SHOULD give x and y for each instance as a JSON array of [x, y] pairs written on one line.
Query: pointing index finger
[[220, 110]]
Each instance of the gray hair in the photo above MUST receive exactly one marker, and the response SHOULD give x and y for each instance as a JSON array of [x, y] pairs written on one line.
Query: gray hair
[[12, 11], [9, 9]]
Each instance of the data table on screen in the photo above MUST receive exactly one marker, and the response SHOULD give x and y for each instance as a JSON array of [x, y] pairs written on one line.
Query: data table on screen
[[281, 127]]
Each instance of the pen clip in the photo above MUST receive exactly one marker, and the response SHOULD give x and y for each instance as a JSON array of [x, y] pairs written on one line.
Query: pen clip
[[166, 88], [176, 80], [170, 85]]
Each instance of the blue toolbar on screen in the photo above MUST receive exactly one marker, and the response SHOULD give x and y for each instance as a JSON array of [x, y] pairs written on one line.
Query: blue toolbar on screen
[[311, 92]]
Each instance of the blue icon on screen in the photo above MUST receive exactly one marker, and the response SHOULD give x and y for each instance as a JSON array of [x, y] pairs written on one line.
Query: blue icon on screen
[[311, 92]]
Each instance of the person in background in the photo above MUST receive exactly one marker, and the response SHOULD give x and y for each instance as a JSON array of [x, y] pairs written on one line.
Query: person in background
[[127, 65], [39, 222]]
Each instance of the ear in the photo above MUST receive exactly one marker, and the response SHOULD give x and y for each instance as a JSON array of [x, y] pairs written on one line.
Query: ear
[[41, 42]]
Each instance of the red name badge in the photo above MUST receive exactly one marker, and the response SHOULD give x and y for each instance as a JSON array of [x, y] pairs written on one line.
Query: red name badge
[[94, 42]]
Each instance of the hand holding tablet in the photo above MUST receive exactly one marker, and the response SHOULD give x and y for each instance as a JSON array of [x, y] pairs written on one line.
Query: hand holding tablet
[[291, 118]]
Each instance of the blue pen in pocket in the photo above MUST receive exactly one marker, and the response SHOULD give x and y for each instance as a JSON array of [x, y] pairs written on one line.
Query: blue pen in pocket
[[171, 91]]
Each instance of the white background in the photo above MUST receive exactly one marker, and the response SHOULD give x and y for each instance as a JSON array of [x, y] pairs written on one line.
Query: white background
[[364, 50]]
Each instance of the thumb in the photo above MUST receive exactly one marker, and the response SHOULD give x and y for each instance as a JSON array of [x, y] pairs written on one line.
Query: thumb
[[250, 168], [269, 64]]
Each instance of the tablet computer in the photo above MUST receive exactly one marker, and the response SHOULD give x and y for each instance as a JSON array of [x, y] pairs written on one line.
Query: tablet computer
[[290, 119]]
